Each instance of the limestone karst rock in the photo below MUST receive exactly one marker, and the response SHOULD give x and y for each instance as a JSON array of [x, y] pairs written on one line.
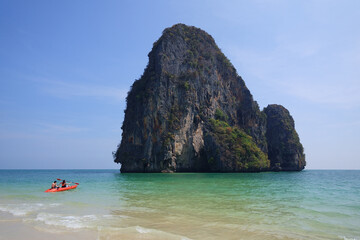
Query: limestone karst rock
[[284, 147], [191, 111]]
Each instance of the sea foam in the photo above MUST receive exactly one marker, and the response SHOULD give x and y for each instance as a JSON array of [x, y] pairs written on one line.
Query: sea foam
[[24, 209], [72, 222], [137, 232]]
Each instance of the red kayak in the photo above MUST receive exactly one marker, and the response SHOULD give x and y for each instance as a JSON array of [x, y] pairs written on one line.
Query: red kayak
[[61, 189]]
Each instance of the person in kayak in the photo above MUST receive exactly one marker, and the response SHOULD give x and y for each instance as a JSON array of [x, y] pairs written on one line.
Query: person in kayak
[[54, 185], [63, 184]]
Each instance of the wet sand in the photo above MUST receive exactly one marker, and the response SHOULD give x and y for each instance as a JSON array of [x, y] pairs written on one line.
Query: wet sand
[[20, 231], [12, 228]]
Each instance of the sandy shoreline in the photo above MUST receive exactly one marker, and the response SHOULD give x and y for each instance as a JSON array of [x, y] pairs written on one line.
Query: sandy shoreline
[[15, 228], [12, 228]]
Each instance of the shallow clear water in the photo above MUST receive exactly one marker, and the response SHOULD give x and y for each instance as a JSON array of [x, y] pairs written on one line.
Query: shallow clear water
[[286, 205]]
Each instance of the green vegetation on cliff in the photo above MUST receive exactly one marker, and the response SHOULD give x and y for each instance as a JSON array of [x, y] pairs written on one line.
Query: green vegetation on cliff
[[238, 146]]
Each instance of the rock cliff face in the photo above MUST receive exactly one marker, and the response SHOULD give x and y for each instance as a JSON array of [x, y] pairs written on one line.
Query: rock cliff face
[[285, 150], [191, 111]]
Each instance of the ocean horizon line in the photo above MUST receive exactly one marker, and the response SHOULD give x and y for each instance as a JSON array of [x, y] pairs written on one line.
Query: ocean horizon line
[[312, 169]]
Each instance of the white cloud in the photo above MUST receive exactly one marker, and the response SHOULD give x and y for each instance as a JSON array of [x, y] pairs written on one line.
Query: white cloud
[[286, 45], [349, 125], [55, 128], [42, 130], [311, 71], [64, 89], [6, 135], [335, 94]]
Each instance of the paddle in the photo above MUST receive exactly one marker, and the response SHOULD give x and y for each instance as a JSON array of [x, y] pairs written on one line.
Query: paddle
[[68, 182]]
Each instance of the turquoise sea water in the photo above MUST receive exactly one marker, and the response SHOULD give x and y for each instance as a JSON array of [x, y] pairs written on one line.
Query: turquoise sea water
[[286, 205]]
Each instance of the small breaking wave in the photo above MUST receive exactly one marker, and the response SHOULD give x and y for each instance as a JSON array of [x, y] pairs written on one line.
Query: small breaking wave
[[49, 222], [73, 222], [137, 232], [24, 209], [64, 222], [346, 238]]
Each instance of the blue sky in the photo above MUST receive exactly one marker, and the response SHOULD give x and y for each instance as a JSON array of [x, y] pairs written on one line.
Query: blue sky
[[66, 67]]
